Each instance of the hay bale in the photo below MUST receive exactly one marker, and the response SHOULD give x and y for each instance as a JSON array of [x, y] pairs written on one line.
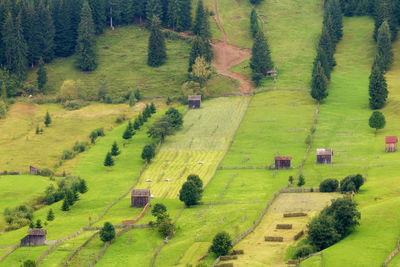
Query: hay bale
[[284, 226], [296, 214], [298, 235], [273, 238], [228, 257], [238, 252], [225, 265]]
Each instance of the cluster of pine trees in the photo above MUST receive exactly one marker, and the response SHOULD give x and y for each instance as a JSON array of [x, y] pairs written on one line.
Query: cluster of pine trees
[[31, 30], [324, 61]]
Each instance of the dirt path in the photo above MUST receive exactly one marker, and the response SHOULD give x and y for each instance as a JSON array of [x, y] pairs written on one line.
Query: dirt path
[[226, 56]]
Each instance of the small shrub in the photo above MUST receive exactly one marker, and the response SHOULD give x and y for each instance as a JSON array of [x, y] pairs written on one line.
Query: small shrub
[[80, 147], [18, 217], [329, 185], [303, 251], [302, 180], [67, 154], [29, 263], [75, 104], [165, 227], [46, 172]]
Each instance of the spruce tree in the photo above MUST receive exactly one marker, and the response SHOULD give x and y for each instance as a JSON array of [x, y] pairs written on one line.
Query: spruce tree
[[65, 205], [47, 119], [47, 33], [254, 26], [180, 15], [3, 92], [385, 46], [327, 45], [319, 83], [384, 10], [201, 25], [321, 57], [82, 186], [136, 124], [377, 87], [31, 31], [132, 100], [64, 39], [15, 47], [98, 14], [156, 50], [41, 76], [86, 44], [108, 161], [153, 8], [114, 149], [200, 48], [38, 224], [260, 61], [152, 108], [50, 215]]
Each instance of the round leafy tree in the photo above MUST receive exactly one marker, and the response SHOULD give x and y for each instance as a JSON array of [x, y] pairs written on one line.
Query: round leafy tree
[[107, 233], [222, 244], [190, 193], [377, 121]]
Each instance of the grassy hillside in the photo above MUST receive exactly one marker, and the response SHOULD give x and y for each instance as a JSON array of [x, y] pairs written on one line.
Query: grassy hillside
[[344, 127], [20, 146], [122, 56]]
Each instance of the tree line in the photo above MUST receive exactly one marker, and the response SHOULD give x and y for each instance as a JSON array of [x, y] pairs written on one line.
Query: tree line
[[31, 30]]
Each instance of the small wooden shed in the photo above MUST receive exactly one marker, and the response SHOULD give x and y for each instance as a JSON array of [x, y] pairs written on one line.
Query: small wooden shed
[[272, 73], [140, 197], [282, 162], [33, 170], [391, 143], [35, 237], [324, 156], [194, 101]]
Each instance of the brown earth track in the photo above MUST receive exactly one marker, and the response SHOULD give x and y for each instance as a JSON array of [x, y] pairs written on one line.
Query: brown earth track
[[226, 56]]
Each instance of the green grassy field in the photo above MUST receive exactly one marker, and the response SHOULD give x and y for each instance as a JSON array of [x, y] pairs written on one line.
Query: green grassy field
[[343, 126], [20, 189], [20, 146], [123, 66], [293, 28]]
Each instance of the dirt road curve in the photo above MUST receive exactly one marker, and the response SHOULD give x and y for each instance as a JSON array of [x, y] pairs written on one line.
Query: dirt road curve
[[226, 56]]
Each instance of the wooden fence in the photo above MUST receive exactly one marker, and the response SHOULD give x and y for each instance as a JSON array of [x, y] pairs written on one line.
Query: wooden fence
[[80, 248], [394, 253], [301, 190], [9, 252]]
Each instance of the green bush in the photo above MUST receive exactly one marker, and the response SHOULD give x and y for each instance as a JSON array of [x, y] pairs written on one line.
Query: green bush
[[351, 183], [221, 244], [67, 154], [18, 217], [329, 185], [107, 233], [80, 147], [303, 251], [46, 172], [75, 104]]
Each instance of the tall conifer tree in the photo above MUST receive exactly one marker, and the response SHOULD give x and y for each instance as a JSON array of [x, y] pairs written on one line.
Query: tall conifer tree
[[41, 76], [156, 50], [319, 83], [86, 45], [98, 14], [153, 8], [260, 61], [385, 46], [47, 33], [15, 46], [201, 25], [254, 26], [377, 87]]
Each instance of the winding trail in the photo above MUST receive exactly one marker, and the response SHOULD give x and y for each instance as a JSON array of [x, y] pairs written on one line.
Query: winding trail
[[226, 56]]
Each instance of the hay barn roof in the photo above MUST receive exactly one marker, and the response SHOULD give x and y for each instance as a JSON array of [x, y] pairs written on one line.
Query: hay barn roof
[[194, 97], [324, 152], [283, 158], [37, 231], [141, 192], [391, 139]]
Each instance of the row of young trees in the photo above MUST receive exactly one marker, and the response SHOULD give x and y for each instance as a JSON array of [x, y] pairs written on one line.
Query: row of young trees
[[324, 61]]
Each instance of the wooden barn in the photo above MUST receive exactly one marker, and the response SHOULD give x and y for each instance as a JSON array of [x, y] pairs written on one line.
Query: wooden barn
[[194, 101], [140, 197], [324, 156], [33, 170], [35, 237], [391, 143], [282, 162]]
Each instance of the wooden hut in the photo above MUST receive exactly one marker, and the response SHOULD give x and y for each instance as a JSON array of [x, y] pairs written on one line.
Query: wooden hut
[[35, 237], [282, 162], [391, 143], [324, 156], [33, 170], [194, 101], [140, 197]]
